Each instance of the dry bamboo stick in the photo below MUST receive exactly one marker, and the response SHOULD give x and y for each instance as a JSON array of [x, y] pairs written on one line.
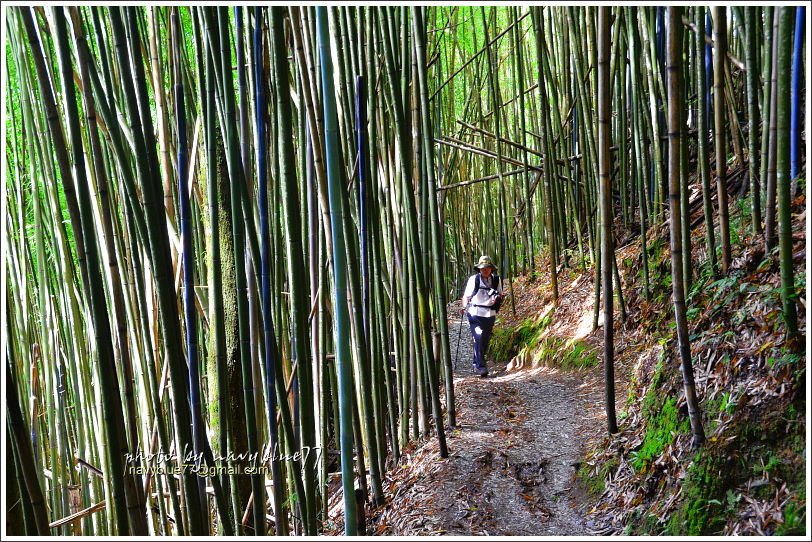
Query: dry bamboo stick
[[78, 515], [500, 139], [481, 179]]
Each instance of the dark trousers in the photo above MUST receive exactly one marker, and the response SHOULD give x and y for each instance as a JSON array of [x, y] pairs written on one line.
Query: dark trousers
[[481, 329]]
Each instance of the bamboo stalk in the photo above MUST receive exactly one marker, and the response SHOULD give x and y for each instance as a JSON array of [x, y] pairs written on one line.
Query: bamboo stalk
[[675, 133], [290, 206], [719, 134], [437, 249], [784, 176], [607, 236], [78, 515], [350, 518]]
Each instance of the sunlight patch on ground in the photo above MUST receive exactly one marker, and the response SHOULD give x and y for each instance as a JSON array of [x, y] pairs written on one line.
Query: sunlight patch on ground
[[585, 325]]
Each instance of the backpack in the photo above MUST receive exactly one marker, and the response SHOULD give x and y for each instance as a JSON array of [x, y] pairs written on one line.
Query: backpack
[[478, 286]]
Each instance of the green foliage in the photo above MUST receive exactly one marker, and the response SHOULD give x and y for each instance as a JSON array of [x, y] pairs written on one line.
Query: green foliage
[[656, 249], [786, 358], [649, 524], [791, 413], [740, 220], [662, 419], [502, 343], [793, 524], [700, 283], [565, 354], [727, 405], [724, 403], [772, 464], [292, 500], [650, 401], [800, 283], [801, 180]]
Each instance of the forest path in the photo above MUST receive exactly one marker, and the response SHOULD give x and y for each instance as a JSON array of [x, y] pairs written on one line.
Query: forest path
[[512, 457]]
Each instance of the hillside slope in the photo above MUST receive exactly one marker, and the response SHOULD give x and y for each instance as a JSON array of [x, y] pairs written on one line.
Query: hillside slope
[[749, 477], [546, 401]]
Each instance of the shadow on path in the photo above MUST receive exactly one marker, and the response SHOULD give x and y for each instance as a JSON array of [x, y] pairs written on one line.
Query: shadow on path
[[512, 457]]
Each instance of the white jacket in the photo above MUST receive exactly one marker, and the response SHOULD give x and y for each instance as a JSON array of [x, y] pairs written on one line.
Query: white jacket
[[481, 297]]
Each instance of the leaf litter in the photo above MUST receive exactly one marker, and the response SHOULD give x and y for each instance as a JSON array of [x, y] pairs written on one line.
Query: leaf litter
[[524, 432]]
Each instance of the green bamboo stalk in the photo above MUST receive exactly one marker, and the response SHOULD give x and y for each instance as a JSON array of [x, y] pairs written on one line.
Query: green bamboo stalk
[[219, 34], [133, 519], [107, 233], [766, 88], [675, 133], [341, 319], [437, 245], [607, 236], [220, 364], [641, 165], [548, 162], [719, 133], [770, 235], [55, 129], [751, 58], [783, 177], [25, 455], [295, 260], [702, 139], [159, 249]]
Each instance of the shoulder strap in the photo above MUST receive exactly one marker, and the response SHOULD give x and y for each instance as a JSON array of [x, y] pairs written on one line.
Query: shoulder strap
[[478, 285]]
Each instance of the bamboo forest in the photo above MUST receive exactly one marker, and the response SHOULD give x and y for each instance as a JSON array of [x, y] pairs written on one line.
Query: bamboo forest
[[244, 250]]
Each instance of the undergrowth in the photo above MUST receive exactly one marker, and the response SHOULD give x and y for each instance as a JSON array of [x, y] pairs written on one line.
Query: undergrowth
[[529, 342], [749, 475]]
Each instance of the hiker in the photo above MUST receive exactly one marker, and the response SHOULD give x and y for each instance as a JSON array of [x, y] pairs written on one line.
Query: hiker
[[481, 300]]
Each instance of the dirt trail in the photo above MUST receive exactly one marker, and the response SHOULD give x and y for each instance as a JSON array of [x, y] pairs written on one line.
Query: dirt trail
[[512, 457]]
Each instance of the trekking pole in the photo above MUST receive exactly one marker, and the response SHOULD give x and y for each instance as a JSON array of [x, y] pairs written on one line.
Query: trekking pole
[[459, 335]]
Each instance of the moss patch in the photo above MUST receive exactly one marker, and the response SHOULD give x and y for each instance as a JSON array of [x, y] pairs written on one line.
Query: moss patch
[[506, 342], [652, 400], [662, 418], [701, 511], [567, 354], [528, 340], [660, 431], [595, 484]]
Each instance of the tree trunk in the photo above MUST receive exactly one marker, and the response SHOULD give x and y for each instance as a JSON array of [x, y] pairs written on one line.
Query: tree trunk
[[783, 177], [548, 162], [339, 271], [770, 235], [675, 133], [719, 134], [753, 118], [607, 235]]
